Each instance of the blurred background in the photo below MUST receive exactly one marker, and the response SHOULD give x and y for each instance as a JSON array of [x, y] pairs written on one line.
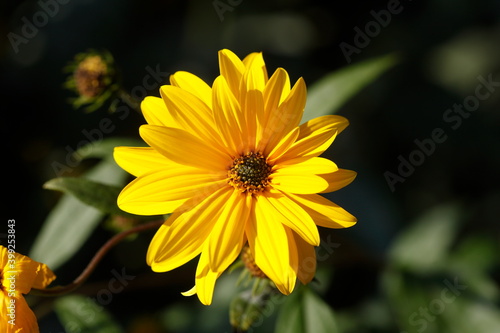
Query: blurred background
[[424, 254]]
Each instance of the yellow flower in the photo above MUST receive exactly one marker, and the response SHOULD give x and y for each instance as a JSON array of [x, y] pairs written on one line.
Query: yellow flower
[[18, 274], [233, 166]]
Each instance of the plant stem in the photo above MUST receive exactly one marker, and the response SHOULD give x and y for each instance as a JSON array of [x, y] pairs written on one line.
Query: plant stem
[[61, 290]]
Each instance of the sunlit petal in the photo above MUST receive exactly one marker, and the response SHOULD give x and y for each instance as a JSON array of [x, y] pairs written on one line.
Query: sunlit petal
[[182, 236], [140, 160], [324, 212], [232, 68], [184, 148], [267, 239], [193, 84], [226, 239], [162, 191]]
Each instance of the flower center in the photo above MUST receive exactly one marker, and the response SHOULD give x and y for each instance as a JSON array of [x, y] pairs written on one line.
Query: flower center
[[250, 173]]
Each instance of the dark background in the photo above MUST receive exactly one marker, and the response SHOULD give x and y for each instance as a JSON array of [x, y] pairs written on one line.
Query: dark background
[[444, 46]]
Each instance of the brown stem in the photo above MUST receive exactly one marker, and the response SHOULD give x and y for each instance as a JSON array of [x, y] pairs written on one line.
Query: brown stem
[[61, 290]]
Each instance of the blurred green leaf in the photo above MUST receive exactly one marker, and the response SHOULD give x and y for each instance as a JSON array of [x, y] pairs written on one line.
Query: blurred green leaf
[[478, 253], [473, 259], [304, 312], [406, 295], [71, 222], [79, 314], [98, 195], [425, 244], [328, 94], [104, 148], [468, 315]]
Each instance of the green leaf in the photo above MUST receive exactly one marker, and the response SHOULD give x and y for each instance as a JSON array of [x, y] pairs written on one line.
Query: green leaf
[[473, 259], [104, 148], [303, 312], [469, 315], [405, 294], [71, 222], [98, 195], [477, 253], [81, 314], [328, 94], [424, 246]]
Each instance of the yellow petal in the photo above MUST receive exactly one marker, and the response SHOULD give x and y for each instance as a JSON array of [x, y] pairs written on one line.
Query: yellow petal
[[338, 179], [255, 76], [306, 259], [286, 117], [184, 148], [155, 112], [140, 160], [324, 212], [163, 191], [24, 272], [255, 62], [228, 117], [205, 280], [44, 276], [182, 237], [190, 292], [156, 245], [293, 251], [276, 90], [316, 136], [269, 244], [292, 215], [285, 143], [194, 85], [232, 68], [252, 106], [307, 165], [319, 124], [297, 183], [226, 238], [192, 114], [25, 320]]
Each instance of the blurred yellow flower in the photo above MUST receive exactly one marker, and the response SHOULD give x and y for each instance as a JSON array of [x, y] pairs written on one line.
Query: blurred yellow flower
[[18, 274], [233, 166]]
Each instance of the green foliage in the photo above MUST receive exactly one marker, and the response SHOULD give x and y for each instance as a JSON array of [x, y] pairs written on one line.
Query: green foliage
[[98, 195], [425, 245], [433, 284], [328, 94], [71, 221], [80, 314], [304, 311]]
